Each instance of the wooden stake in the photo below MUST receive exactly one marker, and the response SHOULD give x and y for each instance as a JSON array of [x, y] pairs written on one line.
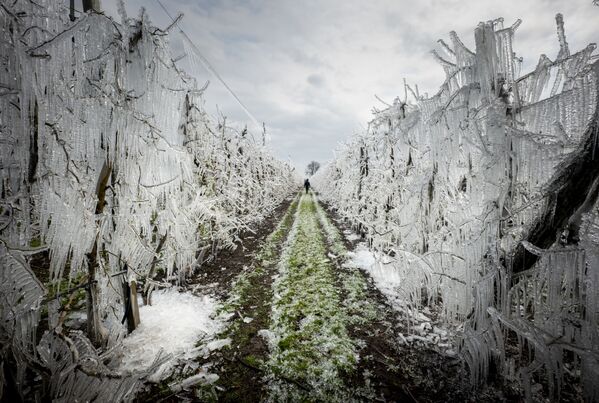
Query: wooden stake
[[131, 306]]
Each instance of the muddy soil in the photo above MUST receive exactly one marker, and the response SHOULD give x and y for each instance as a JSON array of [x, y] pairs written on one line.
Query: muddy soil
[[218, 274]]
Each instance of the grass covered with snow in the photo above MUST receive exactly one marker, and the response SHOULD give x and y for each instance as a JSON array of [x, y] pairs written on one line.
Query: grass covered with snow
[[310, 347], [174, 325], [359, 308]]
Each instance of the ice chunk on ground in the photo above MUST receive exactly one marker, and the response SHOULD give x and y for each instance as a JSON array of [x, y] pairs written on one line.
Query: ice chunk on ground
[[389, 282], [218, 344], [385, 279], [173, 324], [203, 378], [352, 237], [363, 258], [267, 335]]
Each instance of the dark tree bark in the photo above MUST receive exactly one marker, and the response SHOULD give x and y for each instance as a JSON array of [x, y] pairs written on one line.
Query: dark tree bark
[[93, 5], [33, 145], [93, 320], [72, 10], [569, 189]]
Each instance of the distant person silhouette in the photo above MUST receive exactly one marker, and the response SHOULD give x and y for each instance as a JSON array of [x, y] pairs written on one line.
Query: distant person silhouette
[[307, 185]]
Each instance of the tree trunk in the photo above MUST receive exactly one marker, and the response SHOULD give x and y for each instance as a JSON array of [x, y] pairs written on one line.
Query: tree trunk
[[131, 307], [94, 326], [147, 291], [93, 5], [72, 10]]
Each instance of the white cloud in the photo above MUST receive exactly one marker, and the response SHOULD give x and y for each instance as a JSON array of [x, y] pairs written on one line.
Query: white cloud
[[310, 69]]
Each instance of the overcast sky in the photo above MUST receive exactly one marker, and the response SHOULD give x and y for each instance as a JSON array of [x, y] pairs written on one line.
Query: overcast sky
[[310, 69]]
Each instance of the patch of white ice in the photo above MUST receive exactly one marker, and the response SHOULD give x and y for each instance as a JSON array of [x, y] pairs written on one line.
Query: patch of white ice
[[352, 237], [174, 324], [385, 279], [218, 344], [388, 281], [267, 335]]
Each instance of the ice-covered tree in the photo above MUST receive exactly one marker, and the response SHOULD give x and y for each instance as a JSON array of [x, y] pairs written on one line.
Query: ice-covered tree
[[312, 168], [485, 198], [111, 165]]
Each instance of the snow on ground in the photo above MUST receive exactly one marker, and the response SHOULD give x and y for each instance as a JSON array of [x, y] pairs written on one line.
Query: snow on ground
[[351, 236], [173, 324], [388, 281]]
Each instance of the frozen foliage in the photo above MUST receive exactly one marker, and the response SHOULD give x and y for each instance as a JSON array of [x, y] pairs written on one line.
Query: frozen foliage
[[77, 372], [20, 299], [72, 365], [109, 162], [420, 327], [173, 325], [468, 192]]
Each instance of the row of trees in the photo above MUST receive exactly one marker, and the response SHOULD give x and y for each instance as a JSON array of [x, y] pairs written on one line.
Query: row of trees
[[486, 197], [111, 165]]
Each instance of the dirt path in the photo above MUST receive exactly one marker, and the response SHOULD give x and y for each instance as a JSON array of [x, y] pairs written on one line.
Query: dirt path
[[247, 287], [307, 326]]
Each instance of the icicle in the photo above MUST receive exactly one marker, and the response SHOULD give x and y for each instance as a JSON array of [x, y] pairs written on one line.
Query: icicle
[[110, 152], [444, 238]]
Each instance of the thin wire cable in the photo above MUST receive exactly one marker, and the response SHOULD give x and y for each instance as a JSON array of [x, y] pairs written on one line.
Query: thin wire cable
[[209, 67]]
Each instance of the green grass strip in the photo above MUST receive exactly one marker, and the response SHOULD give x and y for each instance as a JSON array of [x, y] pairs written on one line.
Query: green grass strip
[[359, 307], [311, 348]]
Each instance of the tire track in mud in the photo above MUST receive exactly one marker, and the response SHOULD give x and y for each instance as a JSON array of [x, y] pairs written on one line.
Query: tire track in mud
[[248, 298]]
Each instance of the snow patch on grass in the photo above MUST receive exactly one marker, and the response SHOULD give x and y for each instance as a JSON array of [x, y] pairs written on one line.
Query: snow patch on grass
[[387, 280], [174, 325]]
